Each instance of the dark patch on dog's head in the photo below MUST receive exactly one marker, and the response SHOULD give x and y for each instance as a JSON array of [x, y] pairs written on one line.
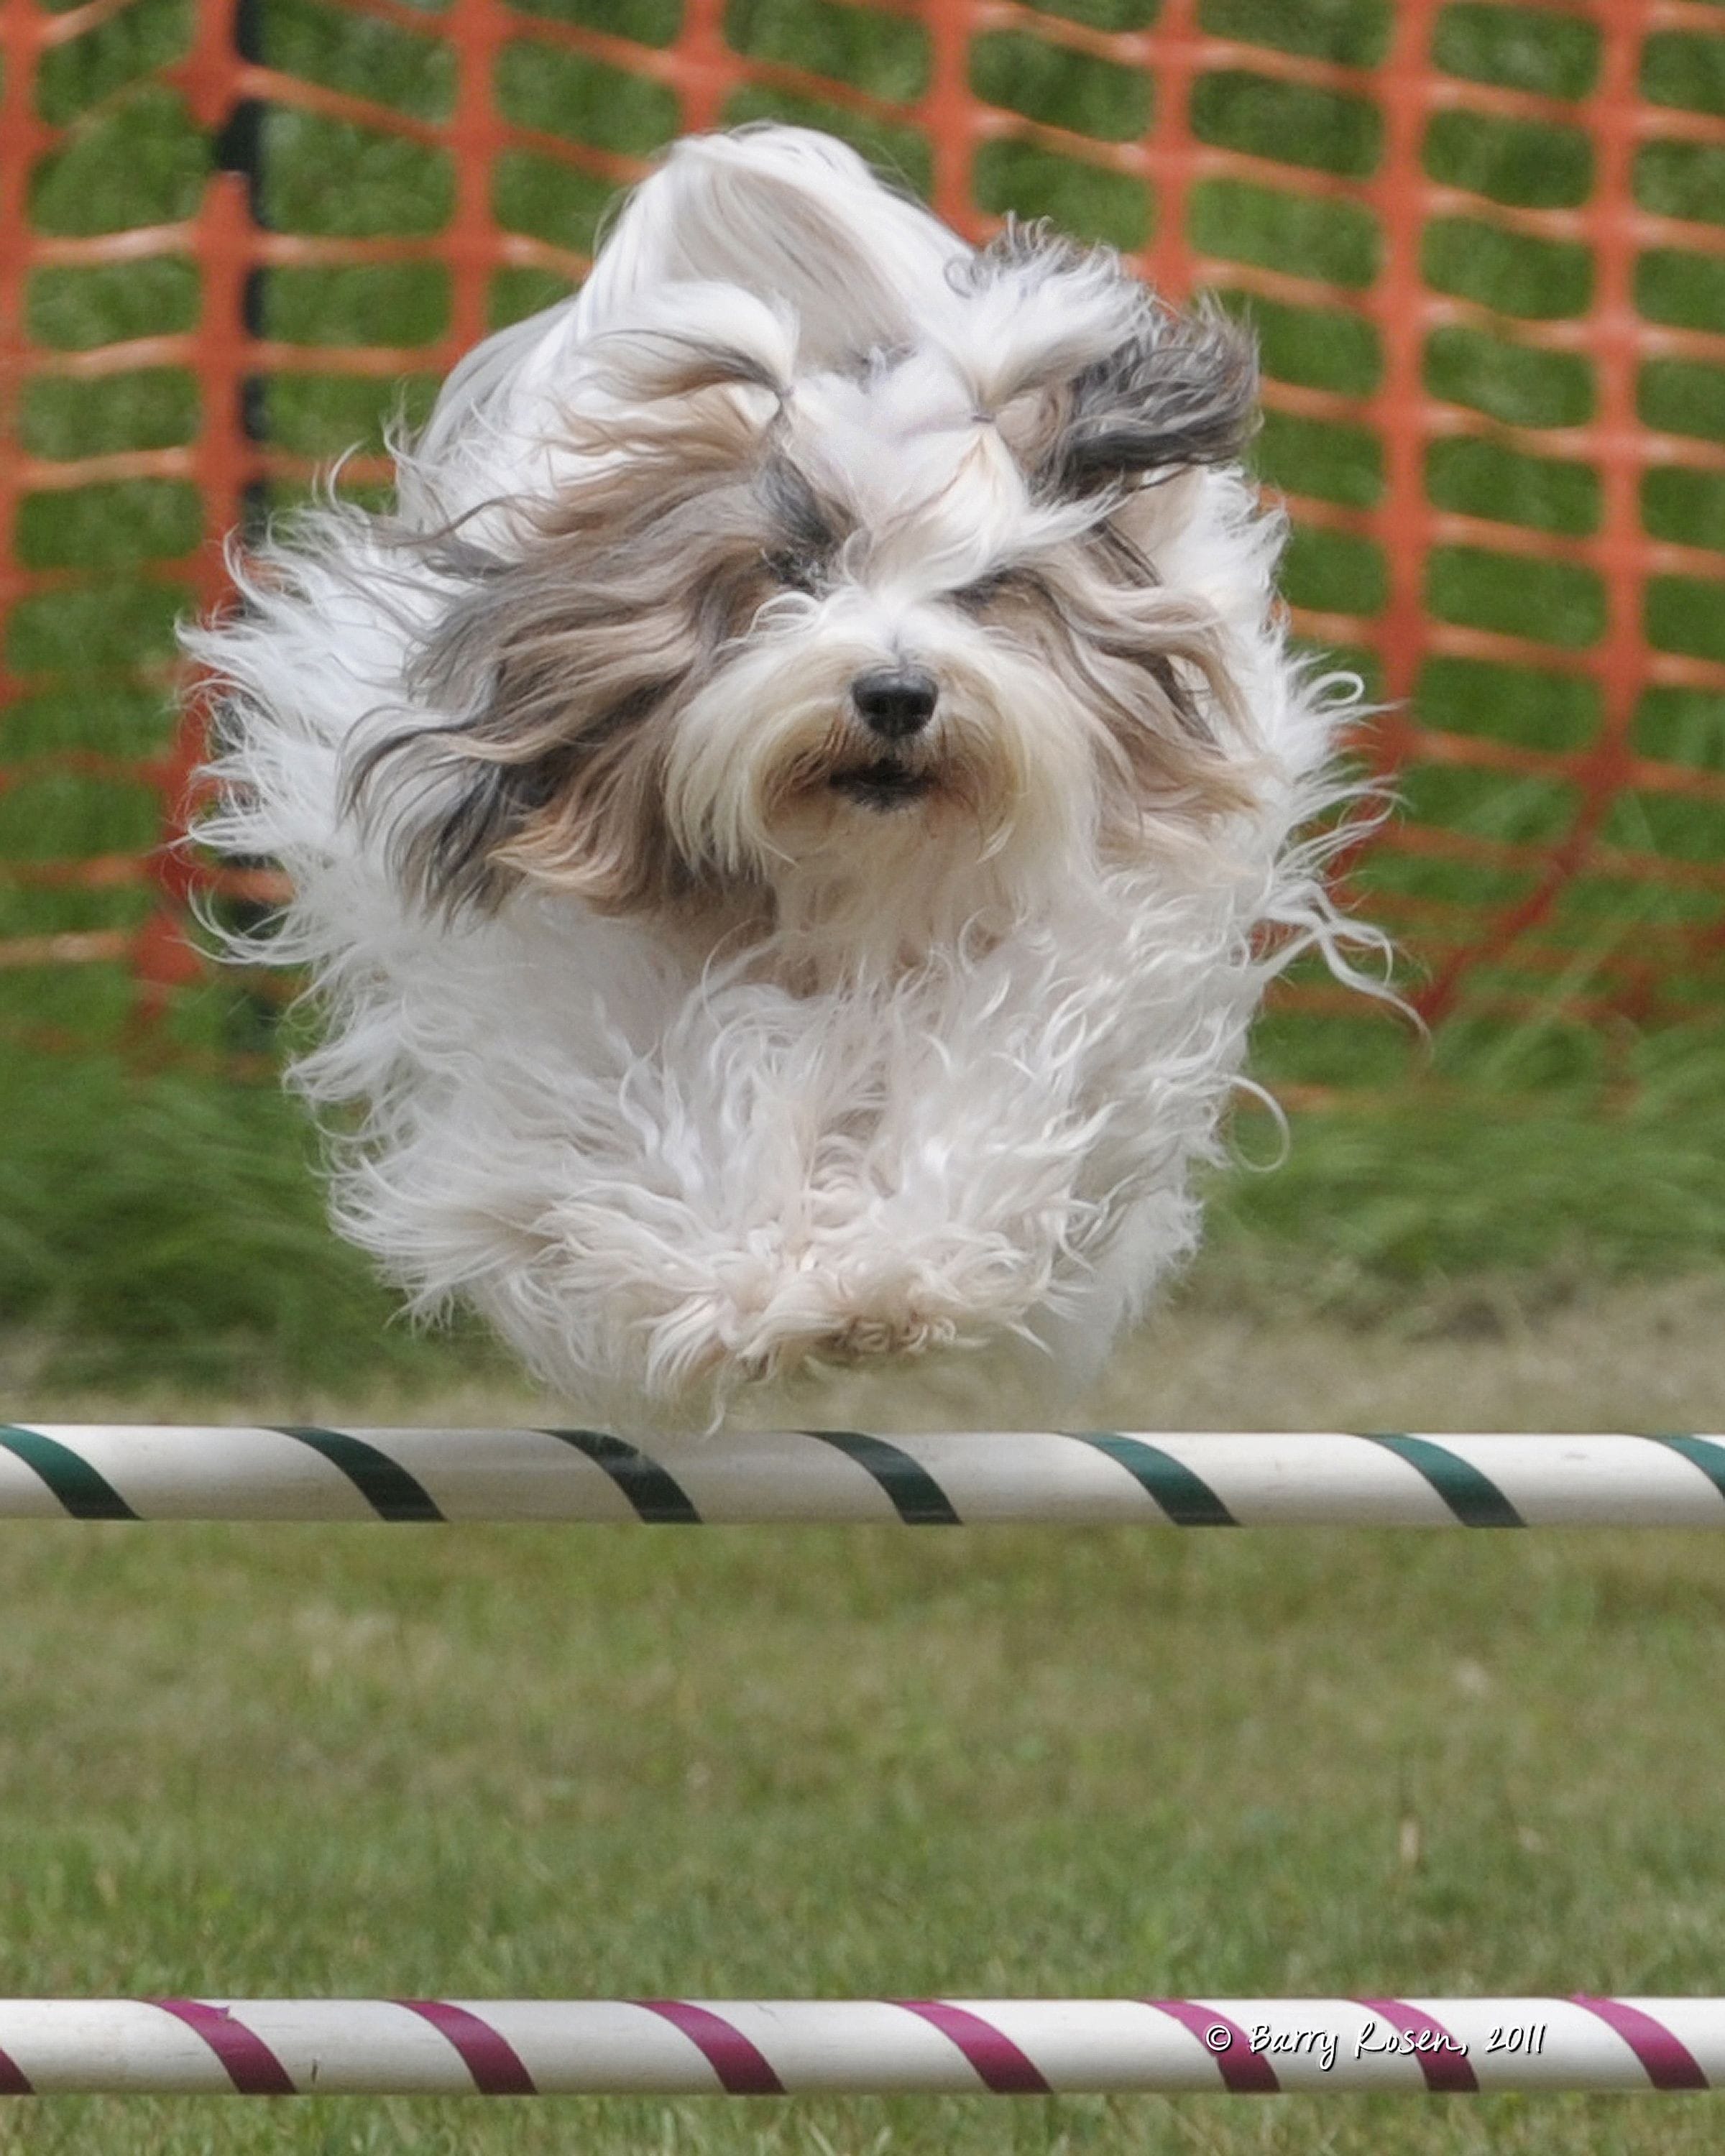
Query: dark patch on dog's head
[[1177, 389], [1182, 392], [805, 532]]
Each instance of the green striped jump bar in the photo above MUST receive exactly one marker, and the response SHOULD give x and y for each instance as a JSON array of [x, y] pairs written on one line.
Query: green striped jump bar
[[1231, 1478]]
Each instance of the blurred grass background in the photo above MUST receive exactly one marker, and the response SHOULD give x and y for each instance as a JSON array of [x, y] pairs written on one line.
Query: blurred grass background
[[521, 1761]]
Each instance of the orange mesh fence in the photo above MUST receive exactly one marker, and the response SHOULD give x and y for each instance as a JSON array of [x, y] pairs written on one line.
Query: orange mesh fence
[[1485, 245]]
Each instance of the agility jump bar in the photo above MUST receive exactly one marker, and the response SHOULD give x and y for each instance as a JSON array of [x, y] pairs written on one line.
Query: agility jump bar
[[111, 1471], [804, 2047]]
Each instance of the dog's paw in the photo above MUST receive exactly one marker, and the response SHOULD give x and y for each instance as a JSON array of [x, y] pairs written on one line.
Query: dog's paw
[[883, 1307], [906, 1332], [764, 1323], [680, 1338]]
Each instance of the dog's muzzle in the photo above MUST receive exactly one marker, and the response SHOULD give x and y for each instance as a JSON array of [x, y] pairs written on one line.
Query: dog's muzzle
[[894, 704]]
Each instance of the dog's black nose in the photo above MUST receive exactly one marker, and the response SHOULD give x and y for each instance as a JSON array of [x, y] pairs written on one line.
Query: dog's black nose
[[896, 700]]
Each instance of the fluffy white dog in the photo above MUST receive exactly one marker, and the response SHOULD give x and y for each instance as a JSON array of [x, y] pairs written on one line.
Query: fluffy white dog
[[791, 817]]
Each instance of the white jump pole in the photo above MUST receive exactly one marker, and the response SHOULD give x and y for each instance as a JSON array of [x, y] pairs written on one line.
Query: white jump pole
[[790, 2047], [105, 1472]]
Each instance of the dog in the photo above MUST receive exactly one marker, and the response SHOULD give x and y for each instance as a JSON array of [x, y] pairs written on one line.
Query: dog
[[791, 814]]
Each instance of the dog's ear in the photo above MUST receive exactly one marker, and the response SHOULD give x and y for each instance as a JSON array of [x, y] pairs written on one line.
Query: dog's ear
[[474, 810], [442, 837], [1181, 391], [595, 826], [562, 666], [1093, 381], [522, 788]]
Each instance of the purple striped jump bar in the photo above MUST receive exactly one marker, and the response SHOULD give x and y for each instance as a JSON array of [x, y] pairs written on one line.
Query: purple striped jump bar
[[1396, 1478], [806, 2047]]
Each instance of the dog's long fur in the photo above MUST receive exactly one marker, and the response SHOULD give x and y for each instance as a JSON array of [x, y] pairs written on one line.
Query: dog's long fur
[[699, 1027]]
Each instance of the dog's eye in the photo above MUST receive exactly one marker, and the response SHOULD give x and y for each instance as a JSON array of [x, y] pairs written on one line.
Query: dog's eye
[[797, 573], [974, 599], [977, 597], [1125, 560]]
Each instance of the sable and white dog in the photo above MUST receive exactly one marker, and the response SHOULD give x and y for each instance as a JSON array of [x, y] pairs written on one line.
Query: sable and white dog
[[791, 817]]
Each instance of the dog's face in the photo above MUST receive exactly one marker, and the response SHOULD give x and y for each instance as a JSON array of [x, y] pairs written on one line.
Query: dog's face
[[884, 628]]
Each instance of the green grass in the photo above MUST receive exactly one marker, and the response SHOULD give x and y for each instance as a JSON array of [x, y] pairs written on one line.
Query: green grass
[[600, 1762], [160, 1226]]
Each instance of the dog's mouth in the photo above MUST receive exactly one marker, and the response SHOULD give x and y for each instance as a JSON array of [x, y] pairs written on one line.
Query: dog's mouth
[[883, 785]]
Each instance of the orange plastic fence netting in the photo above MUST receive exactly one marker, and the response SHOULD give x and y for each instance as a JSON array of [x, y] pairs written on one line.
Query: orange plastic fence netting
[[1485, 245]]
